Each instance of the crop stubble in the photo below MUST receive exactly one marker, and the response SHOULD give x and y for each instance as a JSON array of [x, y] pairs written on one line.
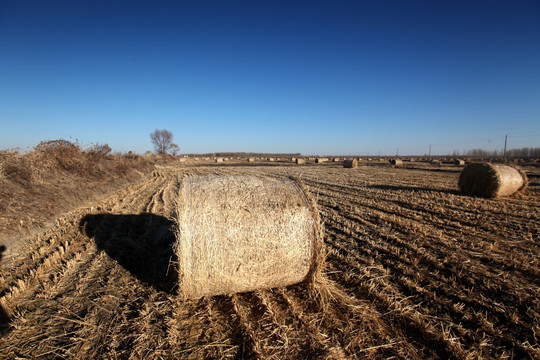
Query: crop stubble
[[423, 272]]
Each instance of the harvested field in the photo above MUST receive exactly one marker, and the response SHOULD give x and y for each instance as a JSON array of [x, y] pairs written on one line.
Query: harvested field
[[417, 271]]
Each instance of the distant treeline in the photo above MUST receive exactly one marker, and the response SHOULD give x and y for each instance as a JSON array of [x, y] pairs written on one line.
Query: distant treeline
[[244, 154], [525, 152]]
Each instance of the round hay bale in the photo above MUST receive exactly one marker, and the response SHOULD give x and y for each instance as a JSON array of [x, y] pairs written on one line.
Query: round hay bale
[[396, 162], [350, 163], [436, 163], [491, 180], [300, 161], [459, 162], [320, 160], [242, 233], [219, 160], [251, 159]]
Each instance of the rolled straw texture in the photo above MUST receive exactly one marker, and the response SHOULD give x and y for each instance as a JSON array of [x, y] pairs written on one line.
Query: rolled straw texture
[[241, 233], [350, 163], [491, 180]]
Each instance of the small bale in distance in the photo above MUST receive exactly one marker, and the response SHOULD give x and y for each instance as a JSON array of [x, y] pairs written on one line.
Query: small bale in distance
[[491, 180], [320, 160], [459, 162], [350, 164], [251, 159], [436, 163], [396, 162], [300, 161], [219, 160], [243, 233]]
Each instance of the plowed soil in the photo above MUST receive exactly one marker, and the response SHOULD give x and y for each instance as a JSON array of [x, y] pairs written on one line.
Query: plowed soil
[[422, 272]]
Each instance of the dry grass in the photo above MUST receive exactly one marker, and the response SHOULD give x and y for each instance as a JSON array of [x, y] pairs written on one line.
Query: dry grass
[[415, 270], [56, 176]]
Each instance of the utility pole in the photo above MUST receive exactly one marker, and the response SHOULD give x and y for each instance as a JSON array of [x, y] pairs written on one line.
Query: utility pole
[[504, 153], [429, 152], [397, 152]]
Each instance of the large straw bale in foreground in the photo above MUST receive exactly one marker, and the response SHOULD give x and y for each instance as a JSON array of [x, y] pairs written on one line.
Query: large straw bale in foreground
[[241, 233], [491, 180], [350, 163]]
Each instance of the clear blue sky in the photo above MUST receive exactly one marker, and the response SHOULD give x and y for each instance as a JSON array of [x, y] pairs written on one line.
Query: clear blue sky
[[316, 77]]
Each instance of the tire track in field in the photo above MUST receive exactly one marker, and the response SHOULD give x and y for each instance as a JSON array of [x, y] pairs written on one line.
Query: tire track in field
[[55, 260]]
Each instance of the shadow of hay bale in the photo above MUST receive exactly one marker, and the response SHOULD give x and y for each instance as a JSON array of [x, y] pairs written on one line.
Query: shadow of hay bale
[[413, 188], [142, 244], [4, 318]]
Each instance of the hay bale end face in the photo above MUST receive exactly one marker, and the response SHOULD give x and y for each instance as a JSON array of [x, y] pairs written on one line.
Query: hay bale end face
[[350, 163], [491, 180], [300, 161], [242, 233], [396, 162]]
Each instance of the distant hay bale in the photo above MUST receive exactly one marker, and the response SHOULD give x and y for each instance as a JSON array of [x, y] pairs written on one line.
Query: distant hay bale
[[251, 159], [242, 233], [459, 162], [300, 161], [219, 160], [436, 163], [320, 160], [271, 159], [293, 159], [491, 180], [396, 162], [336, 159], [350, 163]]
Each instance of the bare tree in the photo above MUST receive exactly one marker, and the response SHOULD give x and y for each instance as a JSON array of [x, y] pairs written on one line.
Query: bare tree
[[162, 140], [175, 149]]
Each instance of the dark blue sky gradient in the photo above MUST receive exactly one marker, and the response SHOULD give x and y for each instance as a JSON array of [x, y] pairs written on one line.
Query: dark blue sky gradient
[[317, 77]]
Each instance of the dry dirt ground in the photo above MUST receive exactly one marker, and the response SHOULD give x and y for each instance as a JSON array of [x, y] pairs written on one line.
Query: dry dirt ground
[[421, 272]]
